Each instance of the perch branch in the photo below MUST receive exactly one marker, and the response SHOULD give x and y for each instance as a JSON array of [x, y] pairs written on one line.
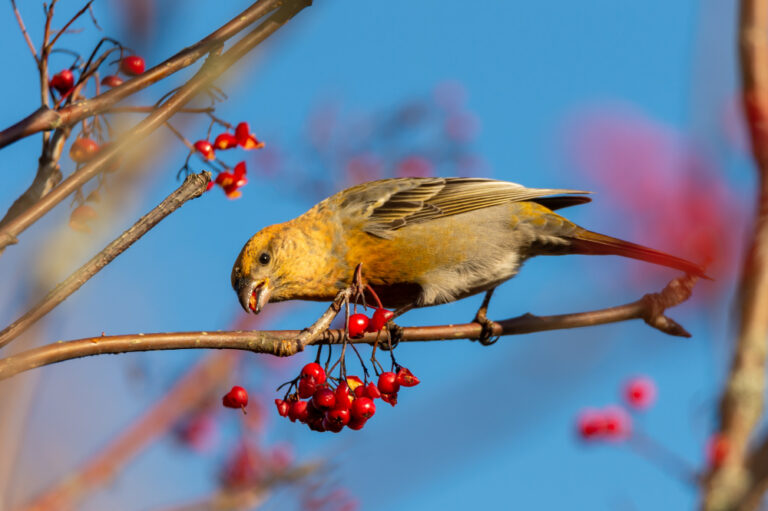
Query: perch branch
[[649, 308]]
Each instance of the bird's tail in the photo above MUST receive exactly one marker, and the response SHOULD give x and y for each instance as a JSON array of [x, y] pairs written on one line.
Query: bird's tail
[[592, 243]]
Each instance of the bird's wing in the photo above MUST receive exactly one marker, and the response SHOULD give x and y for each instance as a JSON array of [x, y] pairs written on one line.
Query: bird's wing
[[392, 204]]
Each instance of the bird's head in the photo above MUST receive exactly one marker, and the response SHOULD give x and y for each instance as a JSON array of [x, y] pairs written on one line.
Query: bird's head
[[255, 275]]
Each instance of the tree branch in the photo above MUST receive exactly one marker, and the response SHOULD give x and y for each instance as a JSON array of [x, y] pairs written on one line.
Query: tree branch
[[194, 186], [45, 119], [24, 32], [284, 343], [214, 67], [741, 404]]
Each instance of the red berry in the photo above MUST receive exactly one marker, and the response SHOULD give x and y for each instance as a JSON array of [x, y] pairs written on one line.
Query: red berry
[[357, 325], [640, 393], [225, 141], [236, 398], [323, 399], [356, 424], [372, 391], [63, 81], [389, 398], [342, 396], [307, 387], [132, 65], [314, 370], [338, 416], [206, 149], [617, 423], [316, 423], [283, 407], [299, 411], [717, 449], [379, 319], [245, 138], [363, 408], [406, 378], [83, 149], [111, 81], [388, 383], [590, 424], [333, 426]]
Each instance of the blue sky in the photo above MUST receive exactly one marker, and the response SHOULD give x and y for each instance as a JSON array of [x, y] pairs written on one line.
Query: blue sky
[[488, 427]]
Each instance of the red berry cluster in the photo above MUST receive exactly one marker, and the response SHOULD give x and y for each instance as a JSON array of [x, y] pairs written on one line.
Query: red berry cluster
[[64, 81], [323, 407], [359, 323], [613, 422], [230, 181]]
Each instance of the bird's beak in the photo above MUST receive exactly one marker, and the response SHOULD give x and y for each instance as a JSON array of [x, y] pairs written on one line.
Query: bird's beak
[[253, 295]]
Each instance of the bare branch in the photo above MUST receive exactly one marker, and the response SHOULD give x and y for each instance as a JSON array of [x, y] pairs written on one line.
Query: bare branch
[[63, 30], [150, 109], [284, 343], [194, 186], [214, 67], [45, 120], [24, 31], [742, 401]]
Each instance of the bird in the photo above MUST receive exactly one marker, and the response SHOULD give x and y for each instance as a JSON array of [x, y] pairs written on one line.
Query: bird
[[421, 241]]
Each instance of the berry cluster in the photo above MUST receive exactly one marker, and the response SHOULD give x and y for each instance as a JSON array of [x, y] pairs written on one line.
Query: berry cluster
[[63, 82], [613, 422], [326, 405], [229, 181]]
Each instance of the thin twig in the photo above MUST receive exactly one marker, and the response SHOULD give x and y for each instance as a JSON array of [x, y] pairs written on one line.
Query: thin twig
[[289, 342], [214, 67], [44, 120], [24, 31], [194, 186], [72, 20], [741, 405]]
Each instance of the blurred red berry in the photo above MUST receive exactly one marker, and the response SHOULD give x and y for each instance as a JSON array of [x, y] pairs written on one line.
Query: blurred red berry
[[63, 81], [590, 424], [245, 138], [640, 392], [379, 319], [323, 399], [406, 378], [617, 424], [132, 65], [225, 141], [388, 383], [197, 432], [717, 449], [80, 216], [307, 387], [231, 182], [414, 166], [331, 425], [363, 408], [83, 149], [283, 407], [357, 325], [314, 370], [237, 397], [206, 149], [111, 81]]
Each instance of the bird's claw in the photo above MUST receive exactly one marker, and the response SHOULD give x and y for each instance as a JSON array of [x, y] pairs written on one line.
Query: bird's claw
[[394, 336], [486, 332]]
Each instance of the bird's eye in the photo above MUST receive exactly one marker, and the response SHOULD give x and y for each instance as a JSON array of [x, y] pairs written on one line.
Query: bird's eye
[[264, 258]]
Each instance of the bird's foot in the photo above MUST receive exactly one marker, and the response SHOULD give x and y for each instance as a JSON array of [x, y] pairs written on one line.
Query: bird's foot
[[486, 333], [394, 336]]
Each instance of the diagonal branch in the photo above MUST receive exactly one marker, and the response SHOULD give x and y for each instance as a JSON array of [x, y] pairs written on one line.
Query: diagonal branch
[[24, 32], [193, 187], [45, 119], [213, 68], [741, 404], [649, 308]]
